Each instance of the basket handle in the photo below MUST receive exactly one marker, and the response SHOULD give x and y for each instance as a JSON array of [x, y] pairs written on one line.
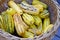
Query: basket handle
[[58, 7]]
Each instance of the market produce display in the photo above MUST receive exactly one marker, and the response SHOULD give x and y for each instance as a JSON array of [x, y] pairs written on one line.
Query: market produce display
[[28, 20]]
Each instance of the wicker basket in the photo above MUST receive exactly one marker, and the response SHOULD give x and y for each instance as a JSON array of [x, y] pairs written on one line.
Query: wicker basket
[[55, 19]]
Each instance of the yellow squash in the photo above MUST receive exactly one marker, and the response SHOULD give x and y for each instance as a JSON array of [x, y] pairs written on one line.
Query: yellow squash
[[8, 23], [30, 9], [44, 14], [13, 5], [20, 26], [37, 20], [11, 11], [35, 2], [28, 34], [48, 28], [46, 23], [28, 19]]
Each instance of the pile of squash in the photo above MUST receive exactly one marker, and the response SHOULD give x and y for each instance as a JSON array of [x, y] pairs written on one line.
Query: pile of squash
[[28, 20]]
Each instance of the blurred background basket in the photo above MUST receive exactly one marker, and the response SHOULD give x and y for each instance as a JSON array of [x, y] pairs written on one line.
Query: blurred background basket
[[54, 10]]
